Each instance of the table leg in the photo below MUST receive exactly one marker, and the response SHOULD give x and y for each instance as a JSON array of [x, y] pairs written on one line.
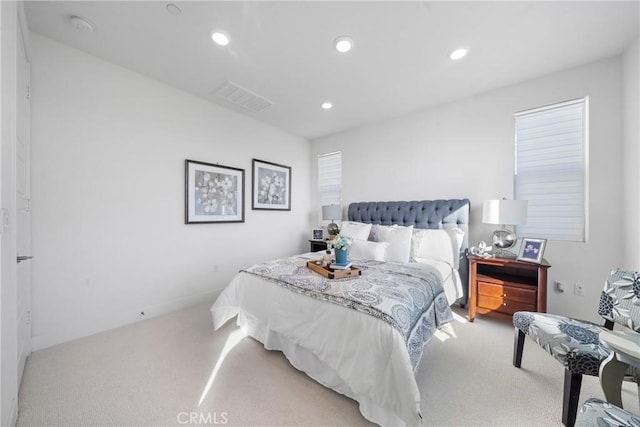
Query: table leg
[[611, 376]]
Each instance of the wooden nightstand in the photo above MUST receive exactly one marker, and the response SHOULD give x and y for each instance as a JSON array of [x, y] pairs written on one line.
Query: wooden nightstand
[[317, 245], [500, 286]]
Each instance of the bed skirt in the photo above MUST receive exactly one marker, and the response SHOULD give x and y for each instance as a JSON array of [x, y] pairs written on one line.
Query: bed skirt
[[307, 362]]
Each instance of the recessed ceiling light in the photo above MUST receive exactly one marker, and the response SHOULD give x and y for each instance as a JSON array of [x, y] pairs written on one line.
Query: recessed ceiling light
[[458, 54], [327, 105], [81, 24], [343, 44], [173, 9], [220, 38]]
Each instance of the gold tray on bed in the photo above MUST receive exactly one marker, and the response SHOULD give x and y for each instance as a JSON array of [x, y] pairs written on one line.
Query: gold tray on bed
[[331, 273]]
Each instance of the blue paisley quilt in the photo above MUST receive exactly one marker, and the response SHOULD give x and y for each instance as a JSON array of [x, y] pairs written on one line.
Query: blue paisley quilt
[[409, 298]]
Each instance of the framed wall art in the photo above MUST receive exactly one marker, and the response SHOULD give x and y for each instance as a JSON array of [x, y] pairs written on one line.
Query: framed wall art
[[271, 186], [213, 193], [531, 250]]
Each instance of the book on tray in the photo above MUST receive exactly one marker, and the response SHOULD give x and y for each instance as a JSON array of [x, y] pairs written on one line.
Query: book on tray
[[340, 266]]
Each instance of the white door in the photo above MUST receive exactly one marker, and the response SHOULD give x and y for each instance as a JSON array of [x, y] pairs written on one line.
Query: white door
[[23, 198], [8, 268]]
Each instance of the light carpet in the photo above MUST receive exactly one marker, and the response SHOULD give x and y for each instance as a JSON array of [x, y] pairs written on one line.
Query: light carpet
[[175, 370]]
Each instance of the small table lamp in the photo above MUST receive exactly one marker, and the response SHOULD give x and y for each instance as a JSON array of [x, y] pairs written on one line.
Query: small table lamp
[[331, 213], [504, 212]]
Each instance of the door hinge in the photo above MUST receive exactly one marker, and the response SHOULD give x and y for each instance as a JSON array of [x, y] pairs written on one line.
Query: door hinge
[[29, 317], [28, 92], [27, 205]]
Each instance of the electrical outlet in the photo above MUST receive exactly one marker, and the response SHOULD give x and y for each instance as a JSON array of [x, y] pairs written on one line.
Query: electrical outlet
[[578, 289], [559, 286]]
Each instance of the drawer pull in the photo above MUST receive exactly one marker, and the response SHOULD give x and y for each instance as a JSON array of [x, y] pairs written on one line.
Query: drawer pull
[[504, 304], [504, 295]]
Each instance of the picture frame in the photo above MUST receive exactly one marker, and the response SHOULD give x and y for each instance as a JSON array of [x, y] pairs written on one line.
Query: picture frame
[[531, 250], [317, 234], [213, 193], [271, 186]]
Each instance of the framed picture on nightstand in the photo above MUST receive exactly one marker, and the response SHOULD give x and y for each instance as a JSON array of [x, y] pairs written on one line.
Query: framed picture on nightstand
[[317, 234], [531, 250]]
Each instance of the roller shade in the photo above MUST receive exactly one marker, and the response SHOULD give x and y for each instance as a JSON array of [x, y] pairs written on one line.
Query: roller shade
[[330, 178], [551, 170]]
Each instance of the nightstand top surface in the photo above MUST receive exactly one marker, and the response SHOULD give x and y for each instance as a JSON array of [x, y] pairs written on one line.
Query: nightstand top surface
[[504, 261]]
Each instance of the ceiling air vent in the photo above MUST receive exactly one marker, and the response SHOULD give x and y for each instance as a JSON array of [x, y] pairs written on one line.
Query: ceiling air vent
[[238, 95]]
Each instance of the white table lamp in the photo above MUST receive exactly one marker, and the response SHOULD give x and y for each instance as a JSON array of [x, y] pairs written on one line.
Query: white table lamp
[[331, 213], [504, 212]]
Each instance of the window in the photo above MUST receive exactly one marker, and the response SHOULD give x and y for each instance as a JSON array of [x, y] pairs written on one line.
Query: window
[[330, 178], [551, 170]]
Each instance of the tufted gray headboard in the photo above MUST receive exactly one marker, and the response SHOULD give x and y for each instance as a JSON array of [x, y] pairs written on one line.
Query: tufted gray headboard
[[421, 214]]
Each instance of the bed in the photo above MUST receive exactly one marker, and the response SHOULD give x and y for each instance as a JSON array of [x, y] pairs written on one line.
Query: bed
[[334, 332]]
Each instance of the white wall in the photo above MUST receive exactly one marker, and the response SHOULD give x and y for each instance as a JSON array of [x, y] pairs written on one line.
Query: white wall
[[465, 149], [108, 155], [631, 149]]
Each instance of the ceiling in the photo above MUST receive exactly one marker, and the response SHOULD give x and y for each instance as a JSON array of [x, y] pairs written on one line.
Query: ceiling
[[283, 51]]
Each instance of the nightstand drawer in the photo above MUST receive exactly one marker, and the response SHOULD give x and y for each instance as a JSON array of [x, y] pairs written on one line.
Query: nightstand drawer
[[511, 293], [503, 305]]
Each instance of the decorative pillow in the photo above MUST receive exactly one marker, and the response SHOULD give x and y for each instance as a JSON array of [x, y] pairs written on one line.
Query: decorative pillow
[[355, 230], [439, 244], [373, 234], [399, 239], [363, 249]]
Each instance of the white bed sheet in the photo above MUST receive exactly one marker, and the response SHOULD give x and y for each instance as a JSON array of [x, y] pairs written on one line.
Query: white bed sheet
[[451, 282], [350, 352]]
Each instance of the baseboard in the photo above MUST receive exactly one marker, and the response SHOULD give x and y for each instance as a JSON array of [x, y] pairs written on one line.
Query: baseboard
[[117, 320]]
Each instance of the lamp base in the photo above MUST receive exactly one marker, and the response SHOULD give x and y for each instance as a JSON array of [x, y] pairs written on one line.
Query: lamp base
[[503, 253], [503, 238], [333, 230]]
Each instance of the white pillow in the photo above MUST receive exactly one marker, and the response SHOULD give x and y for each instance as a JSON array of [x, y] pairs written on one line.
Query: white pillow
[[373, 235], [441, 244], [363, 249], [355, 230], [399, 239]]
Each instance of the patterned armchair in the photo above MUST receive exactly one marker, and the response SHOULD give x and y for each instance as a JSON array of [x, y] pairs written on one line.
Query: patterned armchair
[[596, 412], [576, 343]]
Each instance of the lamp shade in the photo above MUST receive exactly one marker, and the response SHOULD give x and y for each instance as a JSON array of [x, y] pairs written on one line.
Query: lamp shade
[[331, 212], [504, 212]]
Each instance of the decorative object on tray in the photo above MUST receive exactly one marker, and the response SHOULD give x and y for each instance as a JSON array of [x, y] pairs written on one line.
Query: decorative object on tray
[[504, 212], [341, 246], [271, 186], [213, 193], [331, 273], [331, 213], [482, 250], [326, 258], [532, 250]]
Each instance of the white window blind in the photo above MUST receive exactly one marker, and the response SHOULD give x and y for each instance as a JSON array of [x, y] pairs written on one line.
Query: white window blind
[[330, 178], [551, 170]]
